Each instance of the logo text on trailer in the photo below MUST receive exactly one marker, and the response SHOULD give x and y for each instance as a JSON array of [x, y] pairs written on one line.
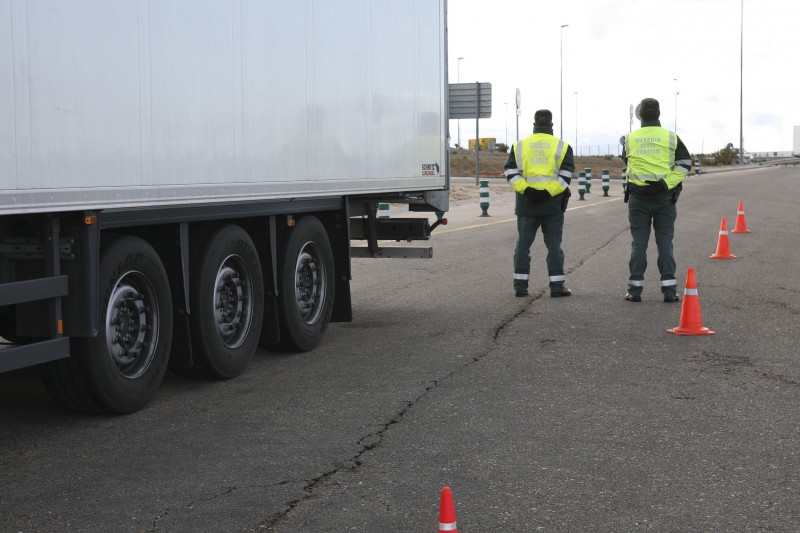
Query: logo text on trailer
[[430, 169]]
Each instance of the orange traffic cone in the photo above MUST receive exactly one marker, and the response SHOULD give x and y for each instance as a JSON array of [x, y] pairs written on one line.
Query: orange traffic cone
[[691, 322], [447, 512], [741, 225], [723, 245]]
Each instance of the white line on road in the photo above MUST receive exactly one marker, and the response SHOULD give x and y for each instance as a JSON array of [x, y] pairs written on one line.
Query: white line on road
[[505, 220]]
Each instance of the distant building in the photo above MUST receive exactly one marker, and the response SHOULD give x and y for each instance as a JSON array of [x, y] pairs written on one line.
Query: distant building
[[487, 144], [768, 155], [796, 144]]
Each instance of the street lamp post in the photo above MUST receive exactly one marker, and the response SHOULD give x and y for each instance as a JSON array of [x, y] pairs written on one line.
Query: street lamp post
[[675, 127], [576, 124], [561, 87], [459, 81], [741, 86], [518, 111], [506, 141]]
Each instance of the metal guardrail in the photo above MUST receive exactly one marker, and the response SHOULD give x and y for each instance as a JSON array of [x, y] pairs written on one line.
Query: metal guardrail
[[781, 161]]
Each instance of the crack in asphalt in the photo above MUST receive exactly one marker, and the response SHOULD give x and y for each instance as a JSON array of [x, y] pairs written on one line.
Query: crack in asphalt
[[778, 378], [373, 440], [715, 361], [726, 364], [723, 362], [367, 443], [157, 519], [784, 306], [191, 504], [582, 260]]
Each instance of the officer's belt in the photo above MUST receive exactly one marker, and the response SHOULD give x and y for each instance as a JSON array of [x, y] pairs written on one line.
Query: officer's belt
[[641, 189], [647, 177]]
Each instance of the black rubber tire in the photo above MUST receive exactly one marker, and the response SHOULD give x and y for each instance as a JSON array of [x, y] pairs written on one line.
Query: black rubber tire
[[65, 381], [305, 283], [102, 375], [8, 326], [227, 303]]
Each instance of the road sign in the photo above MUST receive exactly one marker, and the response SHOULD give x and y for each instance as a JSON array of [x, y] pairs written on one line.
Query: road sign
[[519, 103], [470, 100]]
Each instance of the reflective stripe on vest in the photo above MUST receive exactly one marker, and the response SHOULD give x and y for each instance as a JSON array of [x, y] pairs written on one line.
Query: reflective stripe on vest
[[651, 154], [539, 157]]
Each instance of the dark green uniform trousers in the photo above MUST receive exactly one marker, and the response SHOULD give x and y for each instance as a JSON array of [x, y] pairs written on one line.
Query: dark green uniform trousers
[[660, 212], [552, 229]]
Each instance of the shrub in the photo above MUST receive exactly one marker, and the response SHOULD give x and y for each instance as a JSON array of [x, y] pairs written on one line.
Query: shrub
[[726, 156]]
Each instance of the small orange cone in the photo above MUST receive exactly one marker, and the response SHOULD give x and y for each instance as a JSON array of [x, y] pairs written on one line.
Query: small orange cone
[[691, 322], [741, 225], [447, 512], [723, 245]]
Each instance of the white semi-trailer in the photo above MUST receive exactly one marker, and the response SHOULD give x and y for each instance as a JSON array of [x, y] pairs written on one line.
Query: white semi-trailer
[[181, 180]]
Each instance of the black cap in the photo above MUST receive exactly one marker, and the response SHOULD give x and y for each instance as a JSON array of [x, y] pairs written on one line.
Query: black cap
[[543, 117], [649, 109]]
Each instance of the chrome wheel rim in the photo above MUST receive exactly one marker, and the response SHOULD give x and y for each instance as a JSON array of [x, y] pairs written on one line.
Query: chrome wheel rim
[[132, 325], [310, 282], [233, 301]]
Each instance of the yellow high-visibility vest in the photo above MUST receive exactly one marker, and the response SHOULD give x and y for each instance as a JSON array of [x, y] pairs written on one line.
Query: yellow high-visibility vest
[[539, 157], [651, 156]]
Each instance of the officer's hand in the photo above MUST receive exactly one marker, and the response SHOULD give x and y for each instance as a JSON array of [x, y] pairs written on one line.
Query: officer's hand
[[663, 185], [535, 196]]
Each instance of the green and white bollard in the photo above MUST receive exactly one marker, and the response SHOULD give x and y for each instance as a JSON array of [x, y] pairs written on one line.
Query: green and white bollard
[[697, 166], [624, 179], [383, 210], [582, 184], [484, 192], [606, 181], [588, 180]]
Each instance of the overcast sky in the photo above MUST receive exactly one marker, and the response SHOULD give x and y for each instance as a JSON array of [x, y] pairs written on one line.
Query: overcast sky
[[617, 52]]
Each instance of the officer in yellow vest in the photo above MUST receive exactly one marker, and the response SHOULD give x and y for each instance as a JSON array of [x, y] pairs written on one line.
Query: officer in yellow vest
[[657, 162], [539, 168]]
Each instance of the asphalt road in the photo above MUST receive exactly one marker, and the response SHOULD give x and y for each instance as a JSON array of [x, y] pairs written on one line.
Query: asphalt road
[[568, 414]]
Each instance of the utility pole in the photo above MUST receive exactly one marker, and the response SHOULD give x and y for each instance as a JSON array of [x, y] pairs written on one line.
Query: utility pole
[[675, 127], [576, 124], [506, 140], [561, 89], [741, 87], [458, 80]]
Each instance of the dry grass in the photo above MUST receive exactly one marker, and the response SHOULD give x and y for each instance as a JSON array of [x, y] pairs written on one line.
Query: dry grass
[[462, 163]]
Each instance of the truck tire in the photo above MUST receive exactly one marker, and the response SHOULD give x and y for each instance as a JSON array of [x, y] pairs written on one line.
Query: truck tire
[[227, 303], [8, 326], [306, 286], [121, 369]]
